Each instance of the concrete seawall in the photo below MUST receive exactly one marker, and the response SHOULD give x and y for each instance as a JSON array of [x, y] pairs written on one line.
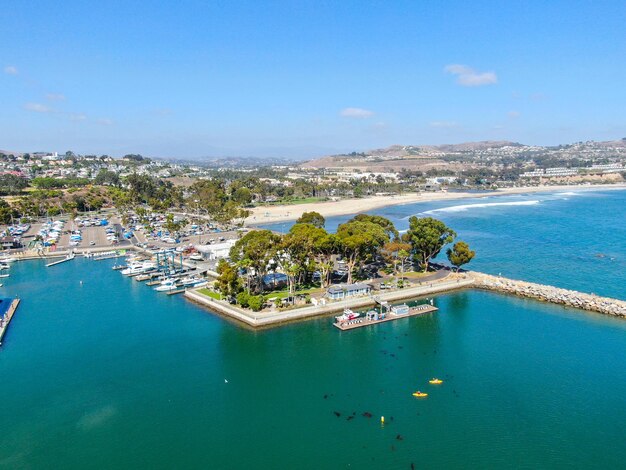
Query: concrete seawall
[[260, 319], [551, 294]]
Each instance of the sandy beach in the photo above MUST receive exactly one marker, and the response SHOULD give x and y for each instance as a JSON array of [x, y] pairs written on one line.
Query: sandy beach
[[270, 214]]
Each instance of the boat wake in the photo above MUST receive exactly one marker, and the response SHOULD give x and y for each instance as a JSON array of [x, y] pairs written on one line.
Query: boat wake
[[465, 207]]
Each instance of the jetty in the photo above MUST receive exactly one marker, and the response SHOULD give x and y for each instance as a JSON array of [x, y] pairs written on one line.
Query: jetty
[[555, 295], [6, 318]]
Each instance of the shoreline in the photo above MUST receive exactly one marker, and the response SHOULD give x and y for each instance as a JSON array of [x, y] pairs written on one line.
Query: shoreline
[[284, 213], [454, 282]]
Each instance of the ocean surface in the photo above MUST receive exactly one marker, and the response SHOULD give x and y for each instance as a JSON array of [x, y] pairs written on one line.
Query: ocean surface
[[570, 239], [108, 373]]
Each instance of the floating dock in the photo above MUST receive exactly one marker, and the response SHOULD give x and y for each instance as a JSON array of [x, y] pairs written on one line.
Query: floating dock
[[389, 316], [177, 291], [6, 318]]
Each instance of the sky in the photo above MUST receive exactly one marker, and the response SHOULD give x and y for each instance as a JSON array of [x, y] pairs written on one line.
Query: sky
[[299, 79]]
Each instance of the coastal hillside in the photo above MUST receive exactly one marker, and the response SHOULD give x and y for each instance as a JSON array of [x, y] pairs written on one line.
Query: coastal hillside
[[425, 157]]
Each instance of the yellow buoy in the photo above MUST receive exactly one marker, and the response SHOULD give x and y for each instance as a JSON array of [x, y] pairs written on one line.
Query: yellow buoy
[[382, 420]]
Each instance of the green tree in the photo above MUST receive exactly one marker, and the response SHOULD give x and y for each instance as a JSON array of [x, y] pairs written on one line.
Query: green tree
[[256, 250], [228, 281], [427, 237], [359, 242], [385, 223], [314, 218], [460, 254]]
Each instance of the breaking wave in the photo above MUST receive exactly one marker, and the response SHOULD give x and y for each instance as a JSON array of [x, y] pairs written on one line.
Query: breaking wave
[[464, 207]]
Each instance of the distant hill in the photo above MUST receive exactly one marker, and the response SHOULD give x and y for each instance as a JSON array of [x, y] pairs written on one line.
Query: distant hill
[[424, 157]]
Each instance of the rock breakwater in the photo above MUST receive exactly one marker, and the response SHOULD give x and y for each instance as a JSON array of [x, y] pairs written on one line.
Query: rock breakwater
[[551, 294]]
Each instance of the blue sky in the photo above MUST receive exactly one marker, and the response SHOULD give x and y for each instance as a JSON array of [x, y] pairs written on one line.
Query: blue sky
[[299, 79]]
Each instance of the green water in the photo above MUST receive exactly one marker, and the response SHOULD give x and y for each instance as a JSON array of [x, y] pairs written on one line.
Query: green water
[[111, 374]]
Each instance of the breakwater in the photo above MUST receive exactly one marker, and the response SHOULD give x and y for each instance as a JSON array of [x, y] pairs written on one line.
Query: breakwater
[[551, 294]]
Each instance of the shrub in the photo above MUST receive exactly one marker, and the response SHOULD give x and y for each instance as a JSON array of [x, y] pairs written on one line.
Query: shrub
[[243, 299], [256, 302]]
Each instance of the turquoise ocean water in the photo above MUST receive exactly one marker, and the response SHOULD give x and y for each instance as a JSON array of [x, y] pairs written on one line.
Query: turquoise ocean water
[[571, 239], [110, 374]]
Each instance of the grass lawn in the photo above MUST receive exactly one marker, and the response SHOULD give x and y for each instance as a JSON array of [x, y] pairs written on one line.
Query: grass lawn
[[293, 202], [283, 294], [416, 275], [210, 293]]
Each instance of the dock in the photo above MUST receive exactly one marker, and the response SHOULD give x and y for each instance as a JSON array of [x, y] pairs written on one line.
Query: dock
[[390, 316], [177, 291], [63, 260], [5, 320]]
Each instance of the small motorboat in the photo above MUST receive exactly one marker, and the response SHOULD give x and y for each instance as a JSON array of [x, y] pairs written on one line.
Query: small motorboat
[[435, 381], [347, 315], [4, 275], [420, 394]]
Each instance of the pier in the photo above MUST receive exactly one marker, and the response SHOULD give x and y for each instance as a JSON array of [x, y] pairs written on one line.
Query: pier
[[5, 320]]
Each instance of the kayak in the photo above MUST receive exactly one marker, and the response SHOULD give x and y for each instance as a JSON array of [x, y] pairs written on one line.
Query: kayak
[[420, 394], [435, 381]]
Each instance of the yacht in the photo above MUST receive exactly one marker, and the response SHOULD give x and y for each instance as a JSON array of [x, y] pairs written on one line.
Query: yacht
[[138, 268], [167, 285]]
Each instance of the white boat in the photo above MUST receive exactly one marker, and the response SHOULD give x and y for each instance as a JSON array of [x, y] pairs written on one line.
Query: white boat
[[196, 257], [138, 268], [4, 275], [167, 285], [4, 266], [347, 315], [193, 281], [8, 260]]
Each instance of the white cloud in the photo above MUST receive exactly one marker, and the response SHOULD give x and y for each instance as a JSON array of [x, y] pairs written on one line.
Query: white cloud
[[10, 70], [444, 124], [358, 113], [105, 121], [55, 97], [467, 76], [514, 114], [78, 117], [37, 108]]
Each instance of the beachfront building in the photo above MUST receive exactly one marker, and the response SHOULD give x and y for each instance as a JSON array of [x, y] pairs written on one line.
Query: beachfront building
[[344, 291]]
